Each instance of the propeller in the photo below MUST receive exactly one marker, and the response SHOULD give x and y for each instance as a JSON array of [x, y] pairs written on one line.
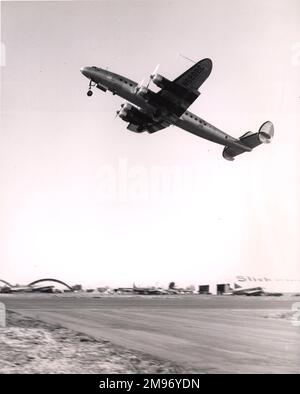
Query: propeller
[[121, 109], [139, 85], [152, 75]]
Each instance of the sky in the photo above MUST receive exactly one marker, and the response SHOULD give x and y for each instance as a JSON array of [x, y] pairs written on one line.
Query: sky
[[86, 201]]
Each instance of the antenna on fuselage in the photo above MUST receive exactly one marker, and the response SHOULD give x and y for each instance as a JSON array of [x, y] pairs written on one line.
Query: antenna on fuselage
[[187, 58]]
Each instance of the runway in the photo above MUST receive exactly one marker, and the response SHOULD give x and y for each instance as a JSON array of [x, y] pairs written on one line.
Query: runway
[[207, 334]]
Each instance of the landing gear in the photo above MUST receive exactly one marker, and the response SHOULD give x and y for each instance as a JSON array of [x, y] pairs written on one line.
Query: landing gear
[[89, 92]]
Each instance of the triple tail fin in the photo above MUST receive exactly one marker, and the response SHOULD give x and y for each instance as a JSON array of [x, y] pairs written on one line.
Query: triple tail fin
[[251, 140]]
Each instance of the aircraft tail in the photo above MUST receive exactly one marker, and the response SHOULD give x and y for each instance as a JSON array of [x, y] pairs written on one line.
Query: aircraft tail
[[251, 140]]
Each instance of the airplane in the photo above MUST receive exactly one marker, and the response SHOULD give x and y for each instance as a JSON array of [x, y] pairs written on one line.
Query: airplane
[[248, 291], [252, 291], [172, 289], [141, 290], [148, 290], [146, 110]]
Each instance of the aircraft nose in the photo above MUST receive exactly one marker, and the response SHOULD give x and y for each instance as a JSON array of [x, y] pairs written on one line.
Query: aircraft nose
[[85, 71]]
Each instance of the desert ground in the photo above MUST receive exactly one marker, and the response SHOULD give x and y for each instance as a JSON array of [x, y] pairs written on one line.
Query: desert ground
[[149, 334]]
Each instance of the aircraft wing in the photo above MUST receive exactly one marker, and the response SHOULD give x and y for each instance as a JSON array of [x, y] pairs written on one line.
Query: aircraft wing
[[194, 77], [176, 96]]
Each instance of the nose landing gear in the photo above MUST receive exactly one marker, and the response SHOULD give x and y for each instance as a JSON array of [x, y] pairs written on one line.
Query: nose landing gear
[[90, 92]]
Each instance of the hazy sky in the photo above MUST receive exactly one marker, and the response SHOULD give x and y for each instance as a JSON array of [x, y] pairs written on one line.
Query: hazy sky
[[86, 201]]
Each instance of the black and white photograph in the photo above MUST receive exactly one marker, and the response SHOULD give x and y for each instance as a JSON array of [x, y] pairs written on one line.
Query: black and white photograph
[[150, 188]]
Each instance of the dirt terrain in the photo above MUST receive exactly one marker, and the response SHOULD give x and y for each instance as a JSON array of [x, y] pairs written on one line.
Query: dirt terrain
[[197, 334], [31, 346]]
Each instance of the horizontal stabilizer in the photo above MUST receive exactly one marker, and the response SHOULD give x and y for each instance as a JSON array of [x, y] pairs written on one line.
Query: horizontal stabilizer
[[250, 140]]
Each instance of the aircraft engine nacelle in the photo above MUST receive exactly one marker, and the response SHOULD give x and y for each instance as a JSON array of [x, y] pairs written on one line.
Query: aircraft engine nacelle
[[266, 132], [160, 81], [125, 108], [142, 91]]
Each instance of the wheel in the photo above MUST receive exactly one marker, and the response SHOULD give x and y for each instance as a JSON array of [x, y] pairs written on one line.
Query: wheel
[[89, 93]]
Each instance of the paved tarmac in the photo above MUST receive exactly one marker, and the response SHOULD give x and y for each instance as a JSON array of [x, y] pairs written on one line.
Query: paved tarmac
[[208, 334]]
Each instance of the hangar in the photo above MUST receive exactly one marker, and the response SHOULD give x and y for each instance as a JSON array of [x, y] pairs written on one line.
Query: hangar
[[33, 286], [5, 282], [51, 280]]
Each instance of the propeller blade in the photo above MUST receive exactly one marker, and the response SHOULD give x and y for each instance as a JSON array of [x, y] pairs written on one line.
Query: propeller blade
[[142, 82], [155, 70], [139, 85], [152, 75]]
